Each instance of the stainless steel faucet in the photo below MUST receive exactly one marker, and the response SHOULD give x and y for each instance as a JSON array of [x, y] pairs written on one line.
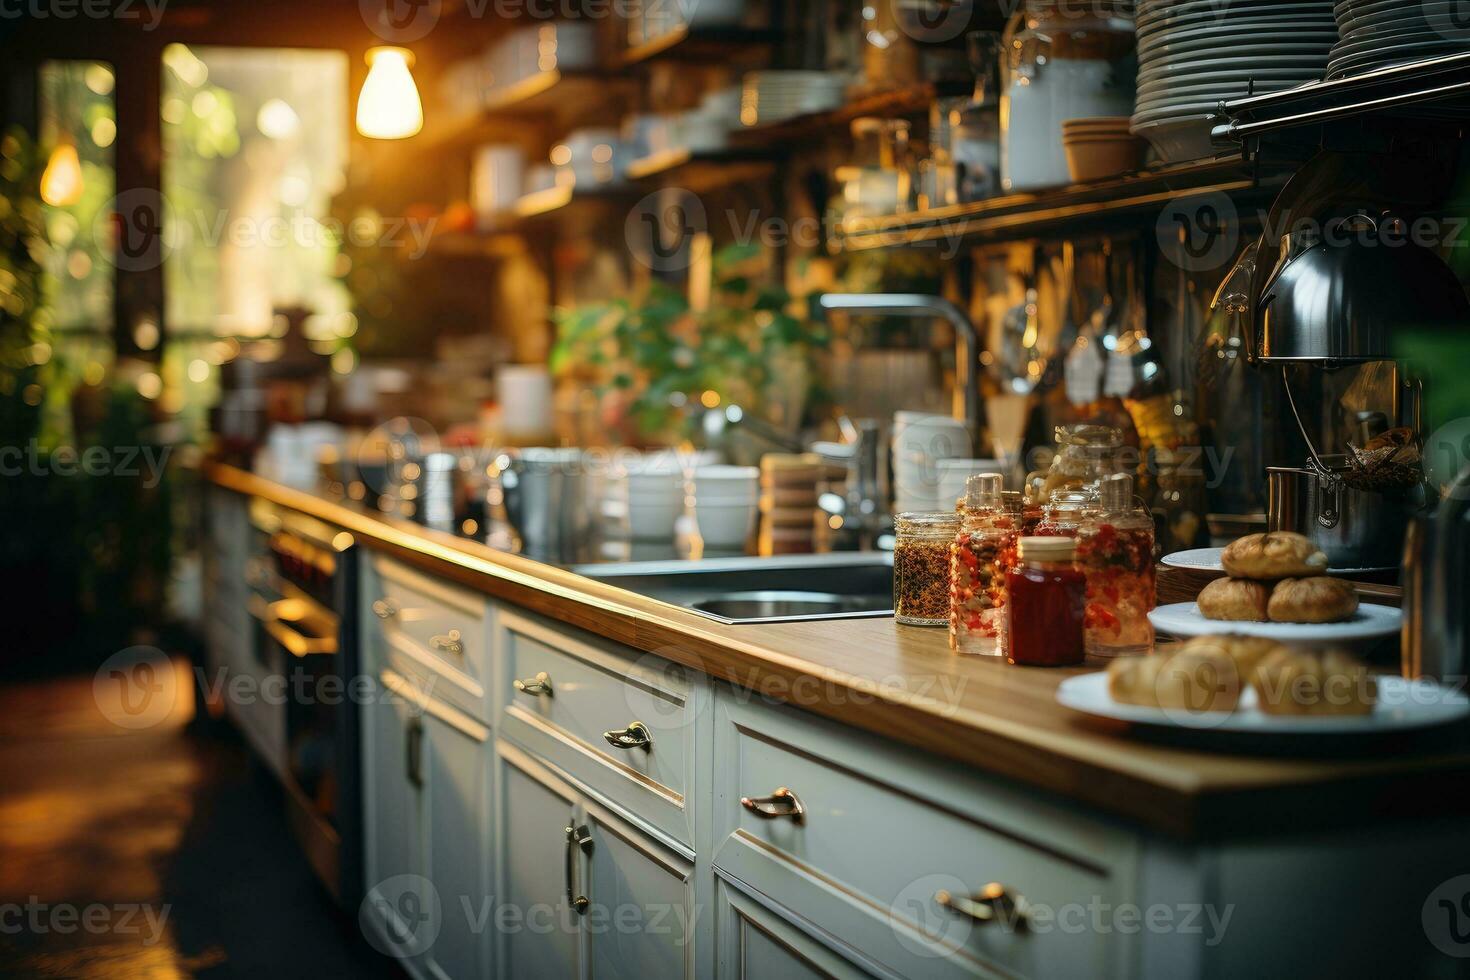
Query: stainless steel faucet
[[967, 338]]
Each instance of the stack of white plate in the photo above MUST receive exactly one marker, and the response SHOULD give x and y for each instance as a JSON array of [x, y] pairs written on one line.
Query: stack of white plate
[[920, 441], [1194, 54], [770, 96], [1382, 33]]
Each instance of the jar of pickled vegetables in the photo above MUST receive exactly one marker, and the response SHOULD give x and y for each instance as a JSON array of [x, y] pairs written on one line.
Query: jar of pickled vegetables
[[921, 560], [1085, 454], [977, 570], [1115, 550]]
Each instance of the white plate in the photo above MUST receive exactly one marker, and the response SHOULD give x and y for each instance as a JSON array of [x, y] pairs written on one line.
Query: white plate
[[1369, 622], [1208, 560], [1402, 704]]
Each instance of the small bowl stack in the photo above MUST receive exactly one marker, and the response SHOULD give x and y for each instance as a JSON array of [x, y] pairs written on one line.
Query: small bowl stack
[[653, 499], [1195, 54], [1101, 147], [1382, 33], [788, 502], [725, 499]]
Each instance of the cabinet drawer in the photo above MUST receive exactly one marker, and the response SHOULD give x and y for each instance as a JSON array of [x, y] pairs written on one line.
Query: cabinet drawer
[[885, 833], [432, 632], [575, 690]]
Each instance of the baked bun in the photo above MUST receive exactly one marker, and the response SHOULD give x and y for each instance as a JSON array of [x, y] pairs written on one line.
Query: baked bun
[[1312, 600], [1235, 600], [1134, 680], [1199, 679], [1266, 557], [1299, 682], [1246, 651]]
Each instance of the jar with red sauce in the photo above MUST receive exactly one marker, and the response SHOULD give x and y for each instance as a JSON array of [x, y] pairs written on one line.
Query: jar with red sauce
[[1115, 550], [1046, 611]]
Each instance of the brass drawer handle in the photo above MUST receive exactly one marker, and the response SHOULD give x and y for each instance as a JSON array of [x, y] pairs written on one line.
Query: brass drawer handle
[[994, 904], [538, 685], [578, 839], [782, 803], [385, 608], [635, 736], [449, 643]]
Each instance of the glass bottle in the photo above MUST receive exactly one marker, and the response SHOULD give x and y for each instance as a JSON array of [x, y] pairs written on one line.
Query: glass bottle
[[1115, 549], [1064, 514], [1085, 454], [1048, 600], [921, 560], [977, 574]]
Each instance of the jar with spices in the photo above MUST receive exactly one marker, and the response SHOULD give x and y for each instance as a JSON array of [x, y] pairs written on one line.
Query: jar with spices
[[1115, 550], [1064, 514], [977, 571], [1047, 605], [921, 562]]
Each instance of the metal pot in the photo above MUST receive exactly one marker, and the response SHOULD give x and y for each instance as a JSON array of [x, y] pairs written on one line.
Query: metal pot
[[542, 494], [1436, 581], [1355, 528]]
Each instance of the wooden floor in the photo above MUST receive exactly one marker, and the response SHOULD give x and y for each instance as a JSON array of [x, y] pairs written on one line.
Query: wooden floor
[[160, 854]]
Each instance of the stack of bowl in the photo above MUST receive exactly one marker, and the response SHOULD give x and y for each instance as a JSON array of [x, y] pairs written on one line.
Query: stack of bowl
[[920, 441], [1194, 54], [1382, 33], [725, 500], [788, 502], [1101, 147], [652, 497]]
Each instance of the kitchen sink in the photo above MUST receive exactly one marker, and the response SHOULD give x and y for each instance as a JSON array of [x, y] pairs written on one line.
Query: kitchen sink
[[763, 590]]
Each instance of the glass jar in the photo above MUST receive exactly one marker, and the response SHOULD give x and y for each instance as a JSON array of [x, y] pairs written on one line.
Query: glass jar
[[977, 571], [1063, 59], [1115, 550], [1064, 514], [921, 561], [1047, 608], [1085, 454]]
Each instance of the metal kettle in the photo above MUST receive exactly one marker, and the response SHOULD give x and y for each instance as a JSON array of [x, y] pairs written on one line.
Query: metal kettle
[[1436, 581]]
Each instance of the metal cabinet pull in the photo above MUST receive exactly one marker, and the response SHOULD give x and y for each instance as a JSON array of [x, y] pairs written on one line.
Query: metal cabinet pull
[[414, 748], [448, 643], [782, 803], [385, 608], [578, 839], [635, 736], [540, 684], [994, 904]]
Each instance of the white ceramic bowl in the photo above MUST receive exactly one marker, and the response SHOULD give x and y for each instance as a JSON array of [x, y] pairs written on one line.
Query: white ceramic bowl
[[724, 525], [653, 520]]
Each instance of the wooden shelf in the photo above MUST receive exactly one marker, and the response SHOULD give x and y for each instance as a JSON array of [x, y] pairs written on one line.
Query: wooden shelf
[[557, 96], [911, 102], [699, 44], [1017, 216], [706, 170]]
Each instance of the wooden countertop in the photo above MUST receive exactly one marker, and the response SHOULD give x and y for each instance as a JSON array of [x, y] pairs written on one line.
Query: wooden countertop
[[904, 683]]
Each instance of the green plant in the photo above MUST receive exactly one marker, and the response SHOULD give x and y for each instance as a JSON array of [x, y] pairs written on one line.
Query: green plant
[[663, 355]]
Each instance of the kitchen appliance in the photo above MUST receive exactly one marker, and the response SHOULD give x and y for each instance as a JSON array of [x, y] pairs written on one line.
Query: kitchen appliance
[[1436, 582], [303, 604]]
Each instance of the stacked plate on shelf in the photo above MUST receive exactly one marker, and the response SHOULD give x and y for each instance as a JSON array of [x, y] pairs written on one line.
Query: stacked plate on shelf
[[1194, 54], [771, 96], [1382, 33]]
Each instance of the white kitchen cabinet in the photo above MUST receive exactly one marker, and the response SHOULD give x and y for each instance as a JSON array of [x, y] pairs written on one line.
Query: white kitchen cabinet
[[457, 841], [754, 941], [593, 895]]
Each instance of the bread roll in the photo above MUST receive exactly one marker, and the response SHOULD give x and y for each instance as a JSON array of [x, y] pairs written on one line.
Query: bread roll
[[1312, 600], [1278, 554], [1199, 679], [1134, 680], [1301, 682], [1234, 600], [1246, 651]]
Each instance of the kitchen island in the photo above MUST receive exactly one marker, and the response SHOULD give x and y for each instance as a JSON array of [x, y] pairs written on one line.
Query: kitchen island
[[836, 797]]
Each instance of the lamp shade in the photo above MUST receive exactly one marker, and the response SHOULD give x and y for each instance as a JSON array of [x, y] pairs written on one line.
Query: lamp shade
[[388, 108]]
